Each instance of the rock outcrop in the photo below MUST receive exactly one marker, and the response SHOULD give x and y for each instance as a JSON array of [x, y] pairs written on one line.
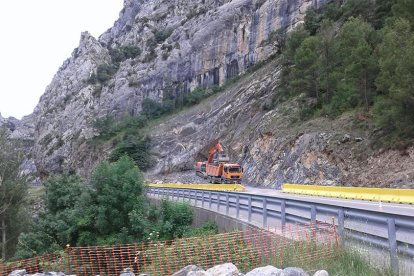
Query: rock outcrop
[[185, 44]]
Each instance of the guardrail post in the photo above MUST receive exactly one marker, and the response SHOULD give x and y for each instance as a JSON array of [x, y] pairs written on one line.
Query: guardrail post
[[209, 194], [237, 206], [313, 214], [283, 213], [227, 203], [392, 239], [202, 199], [264, 212], [218, 201], [249, 216], [341, 220]]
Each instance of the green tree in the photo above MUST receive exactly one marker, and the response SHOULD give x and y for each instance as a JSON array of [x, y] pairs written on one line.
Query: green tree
[[357, 8], [306, 74], [382, 11], [357, 43], [176, 219], [13, 190], [137, 148], [117, 189], [312, 21], [404, 9], [328, 58], [394, 109]]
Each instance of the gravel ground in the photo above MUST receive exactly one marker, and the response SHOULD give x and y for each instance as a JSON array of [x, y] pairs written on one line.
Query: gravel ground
[[177, 177]]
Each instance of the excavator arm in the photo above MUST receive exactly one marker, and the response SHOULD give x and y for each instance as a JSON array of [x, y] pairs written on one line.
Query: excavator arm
[[213, 150]]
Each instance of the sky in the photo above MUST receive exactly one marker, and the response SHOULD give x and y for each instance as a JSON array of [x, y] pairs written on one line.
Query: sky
[[36, 38]]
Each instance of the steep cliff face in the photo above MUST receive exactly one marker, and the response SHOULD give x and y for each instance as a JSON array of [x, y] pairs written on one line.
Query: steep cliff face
[[184, 44], [275, 147]]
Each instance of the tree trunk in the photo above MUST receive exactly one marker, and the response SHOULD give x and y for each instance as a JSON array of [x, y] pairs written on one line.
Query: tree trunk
[[3, 239]]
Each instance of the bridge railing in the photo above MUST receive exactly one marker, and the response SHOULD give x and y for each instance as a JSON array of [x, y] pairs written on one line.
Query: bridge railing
[[394, 233]]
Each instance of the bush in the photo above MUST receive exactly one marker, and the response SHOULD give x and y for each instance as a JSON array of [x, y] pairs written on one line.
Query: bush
[[124, 53], [151, 108], [194, 97], [176, 219], [161, 36], [137, 148], [105, 72]]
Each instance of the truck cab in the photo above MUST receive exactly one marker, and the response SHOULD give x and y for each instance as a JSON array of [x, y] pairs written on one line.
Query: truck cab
[[232, 173]]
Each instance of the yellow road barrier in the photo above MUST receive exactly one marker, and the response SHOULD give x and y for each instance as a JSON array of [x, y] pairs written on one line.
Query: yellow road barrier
[[375, 194], [212, 187]]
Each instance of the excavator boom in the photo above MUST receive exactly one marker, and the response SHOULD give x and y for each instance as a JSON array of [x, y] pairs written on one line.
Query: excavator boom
[[218, 168]]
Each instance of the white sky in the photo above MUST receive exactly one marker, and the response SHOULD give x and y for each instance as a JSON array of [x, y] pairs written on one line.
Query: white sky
[[36, 37]]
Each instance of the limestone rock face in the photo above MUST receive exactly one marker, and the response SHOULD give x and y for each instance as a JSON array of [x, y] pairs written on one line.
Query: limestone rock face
[[184, 44]]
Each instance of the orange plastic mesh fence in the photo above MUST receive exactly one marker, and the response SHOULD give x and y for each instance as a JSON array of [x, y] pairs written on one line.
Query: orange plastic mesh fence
[[294, 245]]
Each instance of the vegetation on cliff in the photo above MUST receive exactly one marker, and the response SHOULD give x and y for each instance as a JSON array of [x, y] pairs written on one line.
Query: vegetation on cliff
[[355, 57]]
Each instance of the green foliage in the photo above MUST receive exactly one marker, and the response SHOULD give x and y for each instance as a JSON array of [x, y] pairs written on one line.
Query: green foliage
[[124, 53], [87, 214], [161, 36], [404, 9], [62, 192], [105, 126], [394, 109], [207, 229], [13, 192], [117, 189], [355, 62], [111, 208], [194, 97], [151, 108], [176, 219], [137, 148], [356, 8], [105, 72]]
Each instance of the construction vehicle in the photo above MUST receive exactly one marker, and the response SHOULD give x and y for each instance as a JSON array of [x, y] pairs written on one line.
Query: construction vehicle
[[201, 169], [218, 168]]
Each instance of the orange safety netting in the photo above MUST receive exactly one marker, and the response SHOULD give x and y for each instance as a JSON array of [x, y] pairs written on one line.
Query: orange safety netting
[[294, 245]]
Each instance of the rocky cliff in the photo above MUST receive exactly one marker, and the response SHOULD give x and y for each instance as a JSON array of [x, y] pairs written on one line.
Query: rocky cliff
[[180, 45]]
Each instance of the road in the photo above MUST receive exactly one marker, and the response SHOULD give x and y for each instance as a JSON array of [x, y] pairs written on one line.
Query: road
[[390, 208]]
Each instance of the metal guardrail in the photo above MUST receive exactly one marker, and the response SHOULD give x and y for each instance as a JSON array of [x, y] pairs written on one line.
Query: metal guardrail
[[394, 233], [377, 194]]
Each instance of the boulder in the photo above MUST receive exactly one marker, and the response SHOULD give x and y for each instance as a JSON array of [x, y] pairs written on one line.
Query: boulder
[[186, 270], [127, 274], [227, 269], [198, 273], [293, 271], [19, 272], [321, 273], [265, 271]]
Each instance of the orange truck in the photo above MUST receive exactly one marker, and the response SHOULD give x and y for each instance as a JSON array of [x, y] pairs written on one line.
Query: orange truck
[[218, 169]]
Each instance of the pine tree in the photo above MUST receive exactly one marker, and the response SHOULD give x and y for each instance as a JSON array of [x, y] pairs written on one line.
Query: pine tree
[[394, 110]]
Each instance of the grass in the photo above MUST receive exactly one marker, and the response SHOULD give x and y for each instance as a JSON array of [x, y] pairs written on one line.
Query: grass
[[349, 262]]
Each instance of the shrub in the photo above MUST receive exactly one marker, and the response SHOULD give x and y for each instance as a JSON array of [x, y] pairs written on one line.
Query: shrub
[[105, 72], [161, 36], [137, 148]]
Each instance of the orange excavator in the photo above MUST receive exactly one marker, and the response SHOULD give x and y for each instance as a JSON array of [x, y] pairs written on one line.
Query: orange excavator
[[218, 168]]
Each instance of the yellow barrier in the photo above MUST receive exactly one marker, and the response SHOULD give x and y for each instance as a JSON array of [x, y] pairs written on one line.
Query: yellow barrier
[[212, 187], [375, 194]]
